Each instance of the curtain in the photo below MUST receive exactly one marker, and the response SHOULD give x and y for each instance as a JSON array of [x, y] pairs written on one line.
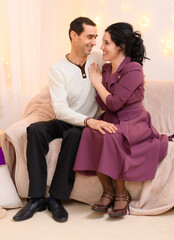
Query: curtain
[[32, 37]]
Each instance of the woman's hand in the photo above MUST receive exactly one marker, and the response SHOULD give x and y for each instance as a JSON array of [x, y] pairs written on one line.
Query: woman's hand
[[96, 80], [95, 74], [100, 125]]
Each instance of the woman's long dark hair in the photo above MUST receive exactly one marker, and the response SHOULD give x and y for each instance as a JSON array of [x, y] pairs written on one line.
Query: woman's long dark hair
[[130, 42]]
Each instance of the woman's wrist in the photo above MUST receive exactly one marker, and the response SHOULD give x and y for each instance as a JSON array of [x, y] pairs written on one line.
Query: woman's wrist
[[98, 85]]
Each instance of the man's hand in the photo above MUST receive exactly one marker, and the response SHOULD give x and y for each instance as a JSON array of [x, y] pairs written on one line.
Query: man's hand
[[100, 125]]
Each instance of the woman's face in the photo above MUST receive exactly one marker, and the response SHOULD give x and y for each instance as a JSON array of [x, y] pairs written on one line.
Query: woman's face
[[110, 50]]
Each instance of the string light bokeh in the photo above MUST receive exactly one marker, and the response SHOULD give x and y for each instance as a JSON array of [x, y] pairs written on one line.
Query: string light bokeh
[[157, 29], [168, 44], [34, 35], [142, 21]]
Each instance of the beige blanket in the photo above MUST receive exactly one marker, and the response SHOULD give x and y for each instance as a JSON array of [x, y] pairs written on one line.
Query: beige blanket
[[3, 212], [149, 198], [14, 138]]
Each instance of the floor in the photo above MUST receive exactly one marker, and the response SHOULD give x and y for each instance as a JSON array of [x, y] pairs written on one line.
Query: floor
[[85, 224]]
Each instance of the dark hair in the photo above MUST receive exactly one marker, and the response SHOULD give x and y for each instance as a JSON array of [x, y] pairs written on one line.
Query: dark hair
[[130, 42], [77, 25]]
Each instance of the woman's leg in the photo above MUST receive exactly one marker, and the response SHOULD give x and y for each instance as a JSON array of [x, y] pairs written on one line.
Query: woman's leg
[[107, 197], [122, 198], [121, 192], [107, 185]]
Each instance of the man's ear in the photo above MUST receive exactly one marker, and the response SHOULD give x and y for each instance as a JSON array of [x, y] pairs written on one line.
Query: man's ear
[[73, 35]]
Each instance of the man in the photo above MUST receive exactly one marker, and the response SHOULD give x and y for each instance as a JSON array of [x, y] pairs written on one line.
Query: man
[[73, 99]]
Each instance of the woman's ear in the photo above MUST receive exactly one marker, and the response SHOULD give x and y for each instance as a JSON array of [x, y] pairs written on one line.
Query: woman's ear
[[122, 47]]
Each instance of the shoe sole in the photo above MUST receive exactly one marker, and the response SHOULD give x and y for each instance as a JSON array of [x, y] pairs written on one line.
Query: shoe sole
[[60, 221], [117, 216], [39, 210], [98, 210]]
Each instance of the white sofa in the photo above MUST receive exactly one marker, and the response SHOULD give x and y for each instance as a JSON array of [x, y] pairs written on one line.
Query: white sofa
[[149, 198]]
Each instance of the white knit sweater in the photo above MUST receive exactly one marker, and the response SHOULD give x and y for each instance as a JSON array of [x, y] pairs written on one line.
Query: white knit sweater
[[73, 97]]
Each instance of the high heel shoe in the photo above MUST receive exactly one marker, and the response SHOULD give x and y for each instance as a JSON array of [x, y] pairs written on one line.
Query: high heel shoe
[[123, 211], [103, 208]]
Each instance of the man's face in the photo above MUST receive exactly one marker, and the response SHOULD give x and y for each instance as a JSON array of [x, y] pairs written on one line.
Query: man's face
[[86, 40]]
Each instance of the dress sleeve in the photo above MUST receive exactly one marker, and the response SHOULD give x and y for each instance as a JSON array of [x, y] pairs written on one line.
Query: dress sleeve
[[100, 102], [59, 100], [98, 98], [131, 79]]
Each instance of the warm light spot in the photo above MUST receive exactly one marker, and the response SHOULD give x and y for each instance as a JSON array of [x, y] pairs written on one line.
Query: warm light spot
[[172, 3], [144, 22], [97, 20], [4, 61], [168, 44], [124, 6], [83, 13], [6, 70]]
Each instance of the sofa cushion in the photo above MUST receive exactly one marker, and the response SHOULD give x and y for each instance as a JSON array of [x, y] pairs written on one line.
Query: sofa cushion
[[9, 197]]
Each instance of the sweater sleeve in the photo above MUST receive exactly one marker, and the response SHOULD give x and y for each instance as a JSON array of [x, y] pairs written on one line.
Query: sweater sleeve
[[59, 100], [131, 79]]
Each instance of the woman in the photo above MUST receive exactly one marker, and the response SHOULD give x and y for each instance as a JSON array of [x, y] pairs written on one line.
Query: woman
[[132, 150]]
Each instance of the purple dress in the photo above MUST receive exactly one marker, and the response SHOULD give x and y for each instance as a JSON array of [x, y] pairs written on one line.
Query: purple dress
[[134, 151]]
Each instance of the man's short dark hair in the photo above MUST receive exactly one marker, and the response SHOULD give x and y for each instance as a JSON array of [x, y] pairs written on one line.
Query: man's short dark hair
[[77, 25]]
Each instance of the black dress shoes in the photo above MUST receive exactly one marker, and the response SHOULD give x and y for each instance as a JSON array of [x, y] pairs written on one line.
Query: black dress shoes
[[32, 206], [37, 205], [58, 211]]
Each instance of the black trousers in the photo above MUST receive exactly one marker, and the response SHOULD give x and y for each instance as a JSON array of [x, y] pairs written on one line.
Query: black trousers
[[39, 135]]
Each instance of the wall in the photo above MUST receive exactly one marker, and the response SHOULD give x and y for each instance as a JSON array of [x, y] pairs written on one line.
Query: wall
[[154, 18], [34, 35]]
